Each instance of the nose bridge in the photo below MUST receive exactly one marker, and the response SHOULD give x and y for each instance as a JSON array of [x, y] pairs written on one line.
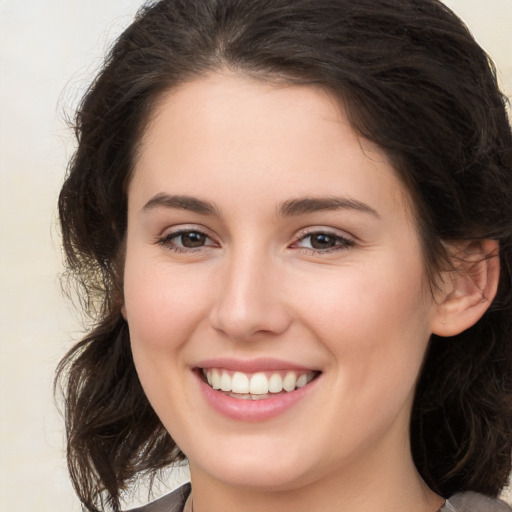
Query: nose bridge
[[248, 301]]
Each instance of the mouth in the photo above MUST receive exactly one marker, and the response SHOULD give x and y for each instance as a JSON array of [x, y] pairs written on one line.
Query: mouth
[[258, 385]]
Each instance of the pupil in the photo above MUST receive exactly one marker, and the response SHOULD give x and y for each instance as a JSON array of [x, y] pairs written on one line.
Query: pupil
[[322, 241], [193, 239]]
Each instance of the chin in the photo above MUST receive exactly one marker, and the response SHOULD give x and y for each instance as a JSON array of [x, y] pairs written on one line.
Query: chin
[[265, 465], [259, 475]]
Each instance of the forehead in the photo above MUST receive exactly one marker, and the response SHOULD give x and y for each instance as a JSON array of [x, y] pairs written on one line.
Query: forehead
[[224, 128]]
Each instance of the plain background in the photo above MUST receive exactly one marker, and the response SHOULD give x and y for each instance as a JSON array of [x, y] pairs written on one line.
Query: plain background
[[49, 51]]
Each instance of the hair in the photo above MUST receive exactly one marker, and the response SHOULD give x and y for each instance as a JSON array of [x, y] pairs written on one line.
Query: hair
[[414, 81]]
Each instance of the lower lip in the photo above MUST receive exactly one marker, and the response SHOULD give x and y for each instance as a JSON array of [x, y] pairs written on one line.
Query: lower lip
[[253, 410]]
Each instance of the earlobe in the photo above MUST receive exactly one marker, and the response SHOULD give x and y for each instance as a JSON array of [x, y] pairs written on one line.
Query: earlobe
[[123, 311], [468, 289]]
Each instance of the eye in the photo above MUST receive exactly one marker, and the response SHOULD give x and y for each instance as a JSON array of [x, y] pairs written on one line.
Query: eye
[[186, 240], [323, 241]]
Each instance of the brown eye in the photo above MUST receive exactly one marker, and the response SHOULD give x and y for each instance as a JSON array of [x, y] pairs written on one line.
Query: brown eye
[[323, 241], [192, 239], [186, 240]]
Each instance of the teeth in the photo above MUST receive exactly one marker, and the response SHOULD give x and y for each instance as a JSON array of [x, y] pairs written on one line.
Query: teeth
[[240, 383], [289, 381], [215, 378], [257, 385], [301, 381], [225, 382], [275, 383]]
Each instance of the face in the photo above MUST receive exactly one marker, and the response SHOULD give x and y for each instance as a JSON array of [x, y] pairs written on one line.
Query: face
[[275, 291]]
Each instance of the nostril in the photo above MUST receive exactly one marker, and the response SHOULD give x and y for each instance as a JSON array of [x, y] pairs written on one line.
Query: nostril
[[251, 324]]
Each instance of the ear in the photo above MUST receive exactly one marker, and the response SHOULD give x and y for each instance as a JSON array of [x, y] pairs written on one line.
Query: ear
[[467, 290], [123, 311]]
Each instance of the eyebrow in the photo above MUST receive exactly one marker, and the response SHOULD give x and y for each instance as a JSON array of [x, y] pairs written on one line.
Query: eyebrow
[[290, 208], [306, 205], [188, 203]]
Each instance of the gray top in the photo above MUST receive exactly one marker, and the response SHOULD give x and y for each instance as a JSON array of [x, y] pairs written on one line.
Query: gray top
[[462, 502], [173, 502], [474, 502]]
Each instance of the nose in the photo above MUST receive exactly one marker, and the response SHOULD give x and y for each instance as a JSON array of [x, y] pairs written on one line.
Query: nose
[[250, 300]]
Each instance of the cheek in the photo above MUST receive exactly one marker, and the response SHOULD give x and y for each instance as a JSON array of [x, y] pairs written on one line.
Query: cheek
[[162, 303], [163, 308], [374, 320]]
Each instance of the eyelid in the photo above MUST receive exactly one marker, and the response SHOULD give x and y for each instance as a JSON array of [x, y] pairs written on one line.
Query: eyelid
[[183, 228], [346, 239], [324, 229], [164, 237]]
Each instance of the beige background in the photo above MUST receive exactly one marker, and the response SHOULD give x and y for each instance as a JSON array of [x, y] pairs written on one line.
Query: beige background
[[49, 50]]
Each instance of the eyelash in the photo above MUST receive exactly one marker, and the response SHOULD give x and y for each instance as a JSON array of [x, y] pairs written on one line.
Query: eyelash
[[167, 241], [342, 243]]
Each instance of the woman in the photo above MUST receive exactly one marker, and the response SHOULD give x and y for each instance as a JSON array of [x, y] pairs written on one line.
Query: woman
[[292, 222]]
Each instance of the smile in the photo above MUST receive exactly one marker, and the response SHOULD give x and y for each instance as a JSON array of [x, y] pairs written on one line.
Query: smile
[[256, 386]]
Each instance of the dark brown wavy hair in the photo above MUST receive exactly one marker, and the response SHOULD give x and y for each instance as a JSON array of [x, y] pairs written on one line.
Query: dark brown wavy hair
[[415, 82]]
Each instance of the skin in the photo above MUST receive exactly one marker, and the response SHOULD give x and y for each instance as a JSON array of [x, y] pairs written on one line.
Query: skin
[[360, 312]]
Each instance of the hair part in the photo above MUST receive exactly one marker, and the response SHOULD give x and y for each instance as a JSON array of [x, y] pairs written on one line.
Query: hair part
[[414, 82]]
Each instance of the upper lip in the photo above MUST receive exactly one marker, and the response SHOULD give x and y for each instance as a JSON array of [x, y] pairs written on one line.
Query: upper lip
[[252, 365]]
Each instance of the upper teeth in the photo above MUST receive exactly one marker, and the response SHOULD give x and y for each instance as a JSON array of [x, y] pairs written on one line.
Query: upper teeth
[[257, 383]]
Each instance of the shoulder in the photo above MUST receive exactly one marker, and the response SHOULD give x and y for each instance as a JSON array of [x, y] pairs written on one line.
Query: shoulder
[[173, 502], [474, 502]]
